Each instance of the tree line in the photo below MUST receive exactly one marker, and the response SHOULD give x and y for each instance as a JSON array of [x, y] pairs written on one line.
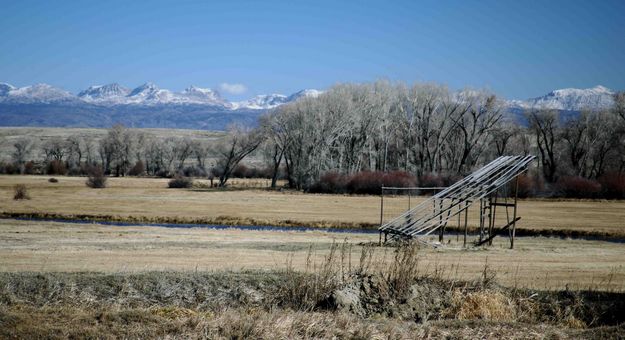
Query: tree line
[[423, 130], [427, 130]]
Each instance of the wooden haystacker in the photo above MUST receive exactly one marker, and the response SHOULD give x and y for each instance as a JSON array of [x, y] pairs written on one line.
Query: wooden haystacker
[[433, 214]]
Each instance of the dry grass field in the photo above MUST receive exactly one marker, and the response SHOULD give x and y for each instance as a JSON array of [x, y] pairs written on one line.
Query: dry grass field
[[150, 199], [67, 280], [46, 246], [537, 262]]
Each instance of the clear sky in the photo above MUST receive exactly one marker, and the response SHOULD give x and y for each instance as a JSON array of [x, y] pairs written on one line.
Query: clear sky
[[518, 49]]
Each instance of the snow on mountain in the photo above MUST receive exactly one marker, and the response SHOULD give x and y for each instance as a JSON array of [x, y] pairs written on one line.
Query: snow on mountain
[[569, 99], [5, 89], [263, 101], [149, 93], [146, 94], [38, 93], [308, 93], [113, 93], [198, 95]]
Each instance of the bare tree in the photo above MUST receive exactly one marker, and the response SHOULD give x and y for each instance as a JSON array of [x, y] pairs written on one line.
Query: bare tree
[[483, 111], [575, 137], [544, 124], [22, 149], [116, 149], [238, 143], [55, 149], [502, 134]]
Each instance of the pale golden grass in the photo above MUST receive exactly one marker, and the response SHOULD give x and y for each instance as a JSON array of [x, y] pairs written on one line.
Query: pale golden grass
[[484, 305], [150, 199], [537, 262], [130, 323]]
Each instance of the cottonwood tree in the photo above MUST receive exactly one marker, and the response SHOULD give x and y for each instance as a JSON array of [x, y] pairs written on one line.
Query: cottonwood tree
[[183, 148], [480, 112], [22, 149], [116, 150], [55, 149], [75, 147], [272, 147], [602, 140], [575, 138], [545, 124], [238, 143], [502, 135], [200, 151]]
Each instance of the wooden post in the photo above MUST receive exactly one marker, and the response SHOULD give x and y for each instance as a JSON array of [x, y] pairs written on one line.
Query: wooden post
[[466, 218], [440, 223], [381, 207], [458, 229], [492, 212], [481, 231], [516, 191]]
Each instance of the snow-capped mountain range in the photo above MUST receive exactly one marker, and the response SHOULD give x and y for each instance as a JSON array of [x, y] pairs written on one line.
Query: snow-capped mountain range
[[199, 108], [147, 94], [598, 97]]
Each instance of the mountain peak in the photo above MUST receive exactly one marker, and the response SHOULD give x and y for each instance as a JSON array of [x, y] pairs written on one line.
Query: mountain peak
[[104, 92], [570, 99], [5, 88]]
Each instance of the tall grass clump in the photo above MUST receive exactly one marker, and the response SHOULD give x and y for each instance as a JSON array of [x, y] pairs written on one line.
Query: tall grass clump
[[305, 290], [403, 270], [20, 192]]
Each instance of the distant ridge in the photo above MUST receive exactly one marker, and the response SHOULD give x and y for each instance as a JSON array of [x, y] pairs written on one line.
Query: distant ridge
[[144, 106], [570, 99], [200, 108], [146, 94]]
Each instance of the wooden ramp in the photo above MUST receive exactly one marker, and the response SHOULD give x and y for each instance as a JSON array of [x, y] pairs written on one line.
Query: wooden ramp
[[433, 214]]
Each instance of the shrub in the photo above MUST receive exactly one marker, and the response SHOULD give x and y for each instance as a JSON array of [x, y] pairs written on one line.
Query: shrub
[[240, 171], [96, 178], [20, 192], [75, 171], [137, 169], [163, 174], [180, 182], [193, 171], [29, 168], [431, 180], [53, 180], [528, 186], [613, 185], [56, 167], [9, 169], [365, 182], [330, 182], [577, 187]]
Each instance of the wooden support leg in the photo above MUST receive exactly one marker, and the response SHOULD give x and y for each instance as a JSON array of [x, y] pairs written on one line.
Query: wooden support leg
[[466, 218], [516, 195], [481, 231], [440, 228]]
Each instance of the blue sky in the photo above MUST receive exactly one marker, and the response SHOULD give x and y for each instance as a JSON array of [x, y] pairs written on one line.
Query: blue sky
[[518, 49]]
